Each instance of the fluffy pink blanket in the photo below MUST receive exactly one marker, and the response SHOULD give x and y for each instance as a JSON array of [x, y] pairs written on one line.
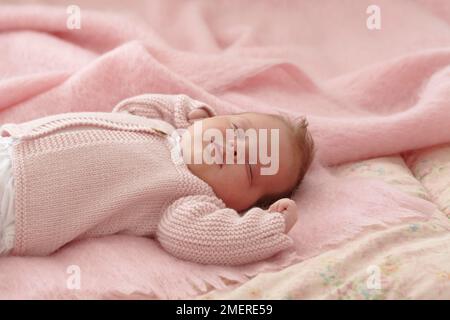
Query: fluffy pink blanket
[[366, 93]]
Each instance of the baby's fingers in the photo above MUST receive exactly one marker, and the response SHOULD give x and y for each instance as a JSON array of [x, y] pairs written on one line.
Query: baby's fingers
[[277, 207], [273, 208]]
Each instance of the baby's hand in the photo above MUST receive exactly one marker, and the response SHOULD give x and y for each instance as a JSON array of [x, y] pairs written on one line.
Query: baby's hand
[[198, 114], [288, 208]]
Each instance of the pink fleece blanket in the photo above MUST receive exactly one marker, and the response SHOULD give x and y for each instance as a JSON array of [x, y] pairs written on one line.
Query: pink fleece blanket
[[366, 93]]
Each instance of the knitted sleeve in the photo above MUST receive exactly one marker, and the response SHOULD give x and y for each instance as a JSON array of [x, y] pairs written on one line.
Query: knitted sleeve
[[199, 229], [170, 108]]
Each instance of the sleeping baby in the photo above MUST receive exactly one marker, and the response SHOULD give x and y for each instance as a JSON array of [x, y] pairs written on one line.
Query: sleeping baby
[[210, 189]]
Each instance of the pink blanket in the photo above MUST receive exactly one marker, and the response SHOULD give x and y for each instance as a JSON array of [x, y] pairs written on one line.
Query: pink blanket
[[366, 93]]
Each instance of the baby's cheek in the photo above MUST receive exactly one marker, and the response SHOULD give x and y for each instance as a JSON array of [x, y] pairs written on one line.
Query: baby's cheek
[[237, 175], [231, 181]]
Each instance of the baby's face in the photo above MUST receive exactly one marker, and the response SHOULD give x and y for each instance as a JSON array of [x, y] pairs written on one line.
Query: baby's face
[[241, 185]]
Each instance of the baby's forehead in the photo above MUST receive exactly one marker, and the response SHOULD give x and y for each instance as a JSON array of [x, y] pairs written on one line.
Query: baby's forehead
[[287, 152], [287, 156], [263, 120], [270, 124]]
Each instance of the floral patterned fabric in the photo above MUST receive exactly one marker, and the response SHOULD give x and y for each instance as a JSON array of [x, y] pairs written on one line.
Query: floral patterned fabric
[[431, 166], [406, 261]]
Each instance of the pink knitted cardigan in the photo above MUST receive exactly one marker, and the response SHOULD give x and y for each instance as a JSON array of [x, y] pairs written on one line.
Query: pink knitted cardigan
[[93, 174]]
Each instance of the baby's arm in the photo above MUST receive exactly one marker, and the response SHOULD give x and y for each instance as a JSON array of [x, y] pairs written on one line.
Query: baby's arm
[[175, 109], [199, 229]]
